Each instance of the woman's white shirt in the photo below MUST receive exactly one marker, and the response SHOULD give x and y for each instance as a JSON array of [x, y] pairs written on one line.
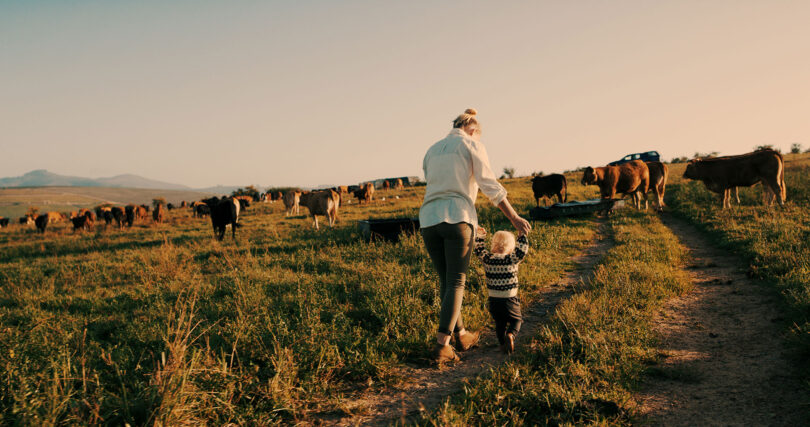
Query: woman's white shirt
[[455, 168]]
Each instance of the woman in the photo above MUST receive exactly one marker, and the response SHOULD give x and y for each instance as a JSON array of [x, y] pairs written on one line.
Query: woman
[[455, 168]]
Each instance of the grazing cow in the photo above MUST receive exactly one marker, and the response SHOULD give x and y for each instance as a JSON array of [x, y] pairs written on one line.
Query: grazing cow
[[41, 222], [365, 193], [225, 212], [87, 212], [550, 185], [722, 174], [130, 212], [118, 215], [659, 173], [202, 210], [292, 202], [630, 178], [158, 215], [100, 211], [142, 212], [26, 220], [169, 206], [55, 217], [3, 222], [84, 221], [322, 203]]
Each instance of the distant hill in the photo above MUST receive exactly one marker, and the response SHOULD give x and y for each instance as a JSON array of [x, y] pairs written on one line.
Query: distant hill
[[43, 178]]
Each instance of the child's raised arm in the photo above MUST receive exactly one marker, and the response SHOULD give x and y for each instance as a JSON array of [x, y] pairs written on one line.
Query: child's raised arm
[[521, 249]]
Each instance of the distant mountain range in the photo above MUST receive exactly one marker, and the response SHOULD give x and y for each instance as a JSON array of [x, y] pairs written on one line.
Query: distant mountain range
[[43, 178]]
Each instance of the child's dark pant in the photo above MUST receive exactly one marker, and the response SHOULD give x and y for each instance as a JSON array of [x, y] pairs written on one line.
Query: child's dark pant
[[506, 312]]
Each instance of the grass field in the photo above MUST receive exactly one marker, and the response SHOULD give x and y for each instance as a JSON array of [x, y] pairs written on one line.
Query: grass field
[[163, 325], [774, 241]]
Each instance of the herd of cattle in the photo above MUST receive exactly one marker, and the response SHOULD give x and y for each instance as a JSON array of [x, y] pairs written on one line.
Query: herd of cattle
[[223, 211], [635, 178]]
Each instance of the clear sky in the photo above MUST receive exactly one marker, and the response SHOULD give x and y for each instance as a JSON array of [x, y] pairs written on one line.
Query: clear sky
[[333, 92]]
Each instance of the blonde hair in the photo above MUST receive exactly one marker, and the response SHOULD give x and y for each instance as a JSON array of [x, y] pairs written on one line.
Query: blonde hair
[[503, 242], [467, 118]]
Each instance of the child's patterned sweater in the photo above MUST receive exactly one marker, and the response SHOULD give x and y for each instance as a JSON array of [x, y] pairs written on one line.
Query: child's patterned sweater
[[501, 270]]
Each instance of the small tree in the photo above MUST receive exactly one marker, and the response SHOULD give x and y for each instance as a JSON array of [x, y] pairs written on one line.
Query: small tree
[[767, 147], [250, 191], [796, 148], [160, 201], [508, 172]]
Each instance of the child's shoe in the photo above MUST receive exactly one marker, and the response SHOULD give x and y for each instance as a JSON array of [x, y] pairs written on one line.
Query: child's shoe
[[509, 344]]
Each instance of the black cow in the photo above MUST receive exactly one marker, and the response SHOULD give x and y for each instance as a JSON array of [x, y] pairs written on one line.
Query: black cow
[[118, 215], [225, 212], [3, 222], [550, 185], [41, 222]]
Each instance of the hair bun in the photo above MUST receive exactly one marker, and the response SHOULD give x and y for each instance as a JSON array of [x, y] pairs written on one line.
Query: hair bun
[[471, 111]]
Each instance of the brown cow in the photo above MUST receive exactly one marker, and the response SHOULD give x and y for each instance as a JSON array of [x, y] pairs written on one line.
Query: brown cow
[[159, 214], [659, 173], [365, 193], [398, 184], [56, 217], [292, 202], [322, 203], [386, 185], [631, 178], [722, 174], [183, 204]]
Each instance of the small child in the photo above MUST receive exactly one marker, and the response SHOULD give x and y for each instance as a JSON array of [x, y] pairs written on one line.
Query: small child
[[501, 267]]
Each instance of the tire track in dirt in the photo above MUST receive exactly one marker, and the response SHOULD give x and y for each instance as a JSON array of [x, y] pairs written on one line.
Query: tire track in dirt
[[427, 387], [722, 349]]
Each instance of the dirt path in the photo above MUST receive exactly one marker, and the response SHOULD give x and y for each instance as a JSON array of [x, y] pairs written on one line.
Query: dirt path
[[424, 391], [722, 349]]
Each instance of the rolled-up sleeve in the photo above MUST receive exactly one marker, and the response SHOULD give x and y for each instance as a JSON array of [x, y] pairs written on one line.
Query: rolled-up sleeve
[[484, 176]]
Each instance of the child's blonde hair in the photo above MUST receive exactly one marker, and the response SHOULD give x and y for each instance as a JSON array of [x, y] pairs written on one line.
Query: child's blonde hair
[[503, 242]]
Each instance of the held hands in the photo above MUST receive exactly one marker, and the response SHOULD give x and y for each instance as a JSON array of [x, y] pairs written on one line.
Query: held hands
[[481, 231], [521, 225]]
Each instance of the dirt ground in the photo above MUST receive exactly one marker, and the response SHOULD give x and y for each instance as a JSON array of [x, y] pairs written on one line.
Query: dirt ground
[[722, 352], [429, 386]]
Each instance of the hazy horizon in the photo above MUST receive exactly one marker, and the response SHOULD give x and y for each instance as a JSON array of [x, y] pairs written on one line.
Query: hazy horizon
[[309, 93]]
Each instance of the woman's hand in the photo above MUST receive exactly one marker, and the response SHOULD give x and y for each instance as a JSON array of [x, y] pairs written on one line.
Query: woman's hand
[[521, 225]]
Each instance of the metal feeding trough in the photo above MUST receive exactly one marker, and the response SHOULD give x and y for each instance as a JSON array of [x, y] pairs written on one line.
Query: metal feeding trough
[[575, 208], [388, 229]]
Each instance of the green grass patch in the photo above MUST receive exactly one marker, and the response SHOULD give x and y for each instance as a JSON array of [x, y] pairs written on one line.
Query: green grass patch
[[775, 242], [163, 324]]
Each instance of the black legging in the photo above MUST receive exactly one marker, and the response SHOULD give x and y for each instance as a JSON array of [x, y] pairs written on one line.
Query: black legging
[[450, 247]]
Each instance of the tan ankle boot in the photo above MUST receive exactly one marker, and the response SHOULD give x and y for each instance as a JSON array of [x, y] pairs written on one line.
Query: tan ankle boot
[[467, 341], [444, 354]]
